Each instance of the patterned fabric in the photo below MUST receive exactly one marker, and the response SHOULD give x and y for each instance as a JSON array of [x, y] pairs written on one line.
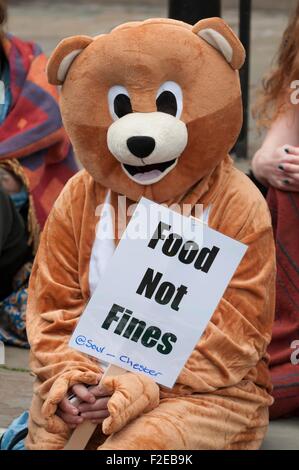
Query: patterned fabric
[[13, 310], [34, 146], [284, 208], [32, 132]]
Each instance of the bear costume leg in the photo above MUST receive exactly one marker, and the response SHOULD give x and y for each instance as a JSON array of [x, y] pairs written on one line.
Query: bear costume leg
[[206, 422]]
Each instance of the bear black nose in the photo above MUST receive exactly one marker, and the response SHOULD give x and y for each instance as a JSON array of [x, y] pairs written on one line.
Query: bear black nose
[[141, 146]]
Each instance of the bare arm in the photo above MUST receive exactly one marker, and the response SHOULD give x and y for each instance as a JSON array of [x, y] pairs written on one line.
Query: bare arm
[[280, 149]]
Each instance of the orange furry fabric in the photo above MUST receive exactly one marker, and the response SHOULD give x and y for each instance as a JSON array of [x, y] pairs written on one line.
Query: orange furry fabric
[[221, 398], [223, 389]]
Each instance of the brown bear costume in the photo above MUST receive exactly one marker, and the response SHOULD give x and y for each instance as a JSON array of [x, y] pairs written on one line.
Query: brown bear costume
[[152, 109]]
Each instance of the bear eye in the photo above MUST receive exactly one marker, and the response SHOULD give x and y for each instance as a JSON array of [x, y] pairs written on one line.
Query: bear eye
[[170, 99], [119, 102]]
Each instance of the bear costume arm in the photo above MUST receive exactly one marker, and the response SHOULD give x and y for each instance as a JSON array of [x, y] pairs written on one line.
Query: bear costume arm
[[235, 341], [54, 306], [56, 301]]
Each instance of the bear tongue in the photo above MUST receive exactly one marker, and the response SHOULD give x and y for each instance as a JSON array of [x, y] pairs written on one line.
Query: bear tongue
[[149, 175]]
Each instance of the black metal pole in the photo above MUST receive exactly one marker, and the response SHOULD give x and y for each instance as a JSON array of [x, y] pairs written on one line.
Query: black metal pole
[[241, 147], [192, 11]]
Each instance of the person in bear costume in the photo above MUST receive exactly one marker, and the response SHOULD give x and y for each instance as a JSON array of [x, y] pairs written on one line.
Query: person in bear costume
[[152, 109]]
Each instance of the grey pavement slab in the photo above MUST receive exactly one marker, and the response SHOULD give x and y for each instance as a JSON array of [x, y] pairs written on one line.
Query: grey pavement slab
[[15, 385], [15, 395], [283, 434], [16, 358]]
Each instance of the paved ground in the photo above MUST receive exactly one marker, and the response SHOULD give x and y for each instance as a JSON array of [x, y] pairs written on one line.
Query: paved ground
[[15, 385], [282, 434], [47, 22]]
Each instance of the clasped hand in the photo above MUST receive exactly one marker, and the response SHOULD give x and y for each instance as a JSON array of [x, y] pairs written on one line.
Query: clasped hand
[[93, 406]]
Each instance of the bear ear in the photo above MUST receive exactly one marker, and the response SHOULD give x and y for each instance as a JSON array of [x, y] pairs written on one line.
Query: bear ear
[[62, 57], [219, 35]]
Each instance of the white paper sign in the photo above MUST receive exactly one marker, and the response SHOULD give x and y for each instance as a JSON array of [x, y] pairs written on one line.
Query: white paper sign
[[158, 293]]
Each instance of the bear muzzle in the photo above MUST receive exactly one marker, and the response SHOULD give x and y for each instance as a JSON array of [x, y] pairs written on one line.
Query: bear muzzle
[[147, 145]]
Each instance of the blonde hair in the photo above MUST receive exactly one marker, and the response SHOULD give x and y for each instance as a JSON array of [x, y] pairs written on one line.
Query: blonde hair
[[273, 99]]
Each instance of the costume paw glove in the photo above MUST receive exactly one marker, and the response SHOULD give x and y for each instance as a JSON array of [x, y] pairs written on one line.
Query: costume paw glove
[[133, 395]]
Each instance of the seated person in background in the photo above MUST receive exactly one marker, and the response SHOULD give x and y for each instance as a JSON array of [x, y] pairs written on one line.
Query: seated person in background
[[275, 169], [36, 159]]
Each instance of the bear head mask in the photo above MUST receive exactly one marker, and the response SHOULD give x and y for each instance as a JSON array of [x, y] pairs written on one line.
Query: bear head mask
[[152, 107]]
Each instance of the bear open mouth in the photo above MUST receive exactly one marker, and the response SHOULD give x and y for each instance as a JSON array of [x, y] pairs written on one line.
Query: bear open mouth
[[149, 174]]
